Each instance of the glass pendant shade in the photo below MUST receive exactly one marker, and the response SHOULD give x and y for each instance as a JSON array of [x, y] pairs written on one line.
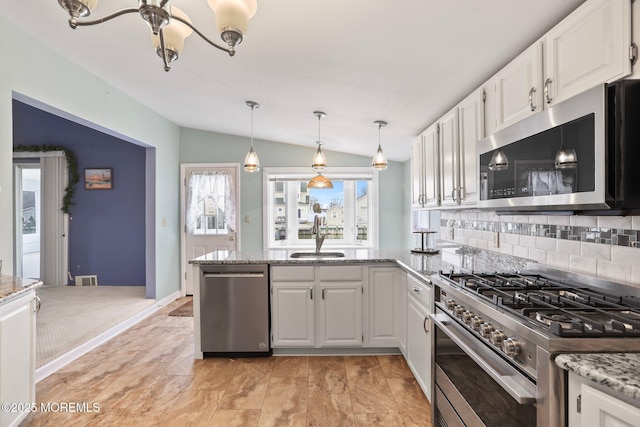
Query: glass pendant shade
[[232, 16], [319, 162], [379, 160], [499, 161], [566, 158], [174, 35], [320, 181], [251, 161]]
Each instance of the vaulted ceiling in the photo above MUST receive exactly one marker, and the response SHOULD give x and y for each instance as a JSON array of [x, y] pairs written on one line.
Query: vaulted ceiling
[[403, 61]]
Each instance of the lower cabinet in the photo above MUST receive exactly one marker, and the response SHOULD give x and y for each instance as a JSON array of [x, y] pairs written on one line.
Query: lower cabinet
[[316, 306], [592, 407], [419, 356], [387, 308], [17, 356]]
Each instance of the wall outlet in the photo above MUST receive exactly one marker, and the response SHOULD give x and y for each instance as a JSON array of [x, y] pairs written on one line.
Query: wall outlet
[[247, 219], [452, 233]]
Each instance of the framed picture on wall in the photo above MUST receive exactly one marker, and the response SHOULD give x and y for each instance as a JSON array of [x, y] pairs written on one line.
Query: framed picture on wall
[[98, 179]]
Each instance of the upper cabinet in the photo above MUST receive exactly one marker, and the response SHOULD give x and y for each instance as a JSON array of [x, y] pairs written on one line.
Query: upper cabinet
[[590, 47], [471, 122], [449, 161], [425, 182]]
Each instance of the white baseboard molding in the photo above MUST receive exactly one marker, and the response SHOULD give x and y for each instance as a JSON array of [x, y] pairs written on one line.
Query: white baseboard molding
[[62, 361], [349, 351]]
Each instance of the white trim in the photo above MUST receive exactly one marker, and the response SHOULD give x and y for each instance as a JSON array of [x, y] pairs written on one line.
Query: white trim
[[36, 154], [62, 361], [184, 262]]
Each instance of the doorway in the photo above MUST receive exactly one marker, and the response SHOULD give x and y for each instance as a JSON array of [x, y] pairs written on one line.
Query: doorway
[[28, 215], [211, 202]]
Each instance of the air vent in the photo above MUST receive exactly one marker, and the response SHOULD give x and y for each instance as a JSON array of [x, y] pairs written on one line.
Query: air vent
[[91, 280]]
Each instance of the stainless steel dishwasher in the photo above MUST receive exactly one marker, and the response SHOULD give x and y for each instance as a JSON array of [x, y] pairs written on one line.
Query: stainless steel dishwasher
[[234, 310]]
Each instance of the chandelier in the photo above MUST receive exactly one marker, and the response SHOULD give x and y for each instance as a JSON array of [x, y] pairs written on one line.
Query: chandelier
[[170, 26], [319, 162]]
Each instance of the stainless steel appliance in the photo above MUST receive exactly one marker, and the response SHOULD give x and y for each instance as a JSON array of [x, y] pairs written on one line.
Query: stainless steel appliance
[[234, 310], [496, 336], [579, 155]]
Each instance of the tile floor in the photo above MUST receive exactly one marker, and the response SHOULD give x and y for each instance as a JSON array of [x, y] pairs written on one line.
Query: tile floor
[[147, 377]]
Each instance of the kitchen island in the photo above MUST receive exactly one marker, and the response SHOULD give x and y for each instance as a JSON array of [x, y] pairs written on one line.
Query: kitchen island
[[17, 346]]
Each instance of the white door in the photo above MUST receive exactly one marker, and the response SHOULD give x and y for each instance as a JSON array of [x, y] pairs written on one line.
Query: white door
[[210, 215], [28, 226]]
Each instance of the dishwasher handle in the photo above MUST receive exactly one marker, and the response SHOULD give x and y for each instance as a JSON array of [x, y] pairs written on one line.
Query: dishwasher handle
[[231, 275]]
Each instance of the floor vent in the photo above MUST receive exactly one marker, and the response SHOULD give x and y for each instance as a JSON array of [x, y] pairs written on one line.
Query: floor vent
[[91, 280]]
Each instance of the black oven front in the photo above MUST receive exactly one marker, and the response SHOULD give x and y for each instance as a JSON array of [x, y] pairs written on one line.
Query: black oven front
[[474, 386]]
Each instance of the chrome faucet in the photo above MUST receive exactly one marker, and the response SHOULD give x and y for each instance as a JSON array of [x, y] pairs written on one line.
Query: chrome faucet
[[316, 230]]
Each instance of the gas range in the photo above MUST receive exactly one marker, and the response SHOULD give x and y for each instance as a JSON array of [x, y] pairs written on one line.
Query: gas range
[[508, 327]]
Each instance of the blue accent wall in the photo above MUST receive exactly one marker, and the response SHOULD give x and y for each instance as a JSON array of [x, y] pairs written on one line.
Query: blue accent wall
[[107, 227]]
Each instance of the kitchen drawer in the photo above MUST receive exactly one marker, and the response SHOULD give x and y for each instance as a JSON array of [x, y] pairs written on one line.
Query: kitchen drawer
[[340, 273], [421, 290], [292, 274]]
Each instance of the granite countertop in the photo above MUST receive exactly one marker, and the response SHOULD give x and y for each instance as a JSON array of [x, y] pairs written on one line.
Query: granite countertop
[[619, 371], [12, 287]]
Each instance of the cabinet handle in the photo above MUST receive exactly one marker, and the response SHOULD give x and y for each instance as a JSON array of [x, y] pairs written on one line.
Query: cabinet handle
[[453, 194], [546, 90], [415, 289], [461, 194], [311, 293], [322, 293], [424, 324], [38, 303], [533, 107]]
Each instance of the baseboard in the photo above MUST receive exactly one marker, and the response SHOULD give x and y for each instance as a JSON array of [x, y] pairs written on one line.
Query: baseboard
[[62, 361], [349, 351]]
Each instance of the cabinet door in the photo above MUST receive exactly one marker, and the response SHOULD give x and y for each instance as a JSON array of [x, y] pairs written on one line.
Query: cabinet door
[[340, 314], [431, 166], [449, 158], [603, 410], [417, 173], [419, 344], [400, 309], [588, 48], [519, 87], [471, 130], [17, 355], [383, 304], [293, 314]]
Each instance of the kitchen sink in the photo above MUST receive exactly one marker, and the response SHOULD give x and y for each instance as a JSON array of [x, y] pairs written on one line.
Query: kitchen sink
[[317, 255]]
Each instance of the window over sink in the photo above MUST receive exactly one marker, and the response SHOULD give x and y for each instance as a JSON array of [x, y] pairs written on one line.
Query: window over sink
[[347, 212]]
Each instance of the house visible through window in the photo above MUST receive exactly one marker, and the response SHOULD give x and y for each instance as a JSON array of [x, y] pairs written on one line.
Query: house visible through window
[[345, 212]]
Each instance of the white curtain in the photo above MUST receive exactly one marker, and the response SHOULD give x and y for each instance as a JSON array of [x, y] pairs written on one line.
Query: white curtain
[[217, 186]]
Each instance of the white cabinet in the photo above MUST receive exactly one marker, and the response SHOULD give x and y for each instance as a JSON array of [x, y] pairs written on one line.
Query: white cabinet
[[449, 161], [470, 131], [316, 306], [17, 355], [419, 345], [425, 180], [589, 47], [519, 87], [591, 407], [387, 307]]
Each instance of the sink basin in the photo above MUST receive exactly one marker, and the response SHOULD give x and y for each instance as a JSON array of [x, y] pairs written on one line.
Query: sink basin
[[317, 255]]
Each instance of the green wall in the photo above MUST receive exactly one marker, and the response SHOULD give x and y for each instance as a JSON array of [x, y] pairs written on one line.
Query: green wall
[[207, 147]]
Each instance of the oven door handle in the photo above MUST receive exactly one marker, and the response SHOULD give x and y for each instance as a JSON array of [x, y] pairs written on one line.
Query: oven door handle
[[513, 382]]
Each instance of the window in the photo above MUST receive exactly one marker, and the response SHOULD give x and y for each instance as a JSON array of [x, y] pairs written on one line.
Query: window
[[347, 217]]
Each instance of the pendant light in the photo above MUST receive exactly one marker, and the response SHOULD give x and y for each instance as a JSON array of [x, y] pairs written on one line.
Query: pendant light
[[379, 160], [319, 162], [251, 162], [566, 158], [499, 161]]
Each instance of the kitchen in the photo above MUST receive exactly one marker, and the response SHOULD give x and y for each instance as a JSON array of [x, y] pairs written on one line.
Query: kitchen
[[621, 264]]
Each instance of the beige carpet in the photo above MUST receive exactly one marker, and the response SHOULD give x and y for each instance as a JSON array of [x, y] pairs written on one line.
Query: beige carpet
[[70, 315]]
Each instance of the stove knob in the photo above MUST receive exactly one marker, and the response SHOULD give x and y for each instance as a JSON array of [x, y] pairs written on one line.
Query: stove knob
[[475, 323], [511, 347], [497, 337], [486, 329], [450, 304], [458, 310], [466, 317]]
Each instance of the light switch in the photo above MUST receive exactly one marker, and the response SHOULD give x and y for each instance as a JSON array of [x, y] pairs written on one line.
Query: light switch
[[164, 222], [247, 219]]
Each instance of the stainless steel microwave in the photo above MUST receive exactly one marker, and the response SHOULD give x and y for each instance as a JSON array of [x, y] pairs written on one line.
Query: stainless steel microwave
[[581, 155]]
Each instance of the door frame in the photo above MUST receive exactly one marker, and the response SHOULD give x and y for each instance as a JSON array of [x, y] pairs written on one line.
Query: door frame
[[184, 262]]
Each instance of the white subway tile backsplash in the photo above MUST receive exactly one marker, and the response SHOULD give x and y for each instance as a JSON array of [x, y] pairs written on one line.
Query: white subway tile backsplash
[[538, 219], [483, 244], [521, 218], [582, 265], [635, 222], [558, 260], [521, 251], [595, 251], [625, 255], [569, 247], [538, 255], [614, 222], [635, 275], [506, 249], [546, 243], [584, 221], [528, 241], [512, 239], [614, 271], [559, 219], [484, 216]]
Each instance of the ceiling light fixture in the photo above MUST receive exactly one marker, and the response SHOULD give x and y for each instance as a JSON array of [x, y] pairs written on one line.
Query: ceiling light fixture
[[319, 162], [251, 162], [379, 160], [170, 26]]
